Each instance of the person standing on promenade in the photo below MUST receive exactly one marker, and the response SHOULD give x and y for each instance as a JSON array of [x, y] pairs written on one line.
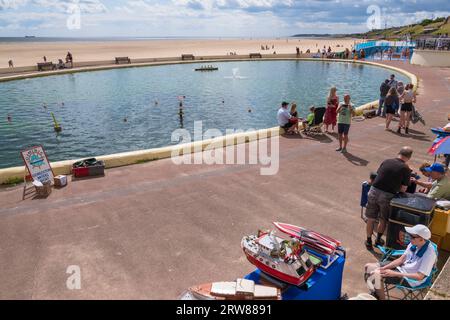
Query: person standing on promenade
[[389, 105], [400, 91], [392, 82], [11, 64], [384, 89], [345, 112], [393, 176], [331, 112], [408, 97]]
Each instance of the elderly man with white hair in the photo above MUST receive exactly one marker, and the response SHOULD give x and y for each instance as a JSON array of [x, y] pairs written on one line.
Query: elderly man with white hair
[[411, 269]]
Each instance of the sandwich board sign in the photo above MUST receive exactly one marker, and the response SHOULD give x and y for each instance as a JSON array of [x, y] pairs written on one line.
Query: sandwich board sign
[[37, 164]]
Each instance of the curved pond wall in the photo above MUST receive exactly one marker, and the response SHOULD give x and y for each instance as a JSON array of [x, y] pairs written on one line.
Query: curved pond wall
[[126, 158]]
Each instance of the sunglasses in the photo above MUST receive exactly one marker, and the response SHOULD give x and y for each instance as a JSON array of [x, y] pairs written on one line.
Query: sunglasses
[[412, 236]]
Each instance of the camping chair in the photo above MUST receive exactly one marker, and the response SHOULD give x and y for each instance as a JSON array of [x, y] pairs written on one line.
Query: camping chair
[[409, 293], [316, 127]]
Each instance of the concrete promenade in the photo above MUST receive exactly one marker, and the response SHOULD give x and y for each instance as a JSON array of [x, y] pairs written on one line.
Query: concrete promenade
[[151, 230]]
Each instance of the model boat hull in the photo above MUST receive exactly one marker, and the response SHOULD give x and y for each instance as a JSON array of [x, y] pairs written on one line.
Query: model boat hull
[[297, 281]]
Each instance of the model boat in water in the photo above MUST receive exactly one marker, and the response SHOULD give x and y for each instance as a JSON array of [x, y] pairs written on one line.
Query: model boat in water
[[207, 68], [241, 289]]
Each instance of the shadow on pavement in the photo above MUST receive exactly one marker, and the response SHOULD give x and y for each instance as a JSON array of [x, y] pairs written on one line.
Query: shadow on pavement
[[357, 161]]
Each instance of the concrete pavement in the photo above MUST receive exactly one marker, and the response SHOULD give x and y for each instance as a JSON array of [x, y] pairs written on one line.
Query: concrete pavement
[[151, 230]]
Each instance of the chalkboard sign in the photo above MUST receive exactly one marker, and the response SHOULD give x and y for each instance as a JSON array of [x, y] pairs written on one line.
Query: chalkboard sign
[[37, 164]]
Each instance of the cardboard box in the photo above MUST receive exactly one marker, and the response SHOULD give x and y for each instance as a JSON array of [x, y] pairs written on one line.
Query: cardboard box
[[440, 223], [445, 244], [437, 239], [43, 189], [60, 181]]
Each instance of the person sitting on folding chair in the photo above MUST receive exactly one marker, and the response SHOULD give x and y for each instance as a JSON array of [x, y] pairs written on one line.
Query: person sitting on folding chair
[[309, 121], [410, 270]]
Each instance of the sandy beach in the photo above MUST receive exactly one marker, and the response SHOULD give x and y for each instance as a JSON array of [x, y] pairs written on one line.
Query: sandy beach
[[29, 53]]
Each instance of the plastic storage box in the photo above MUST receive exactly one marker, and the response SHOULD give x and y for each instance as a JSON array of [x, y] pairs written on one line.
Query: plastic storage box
[[407, 212]]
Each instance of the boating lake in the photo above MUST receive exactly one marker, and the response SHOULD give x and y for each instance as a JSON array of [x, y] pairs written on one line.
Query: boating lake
[[91, 106]]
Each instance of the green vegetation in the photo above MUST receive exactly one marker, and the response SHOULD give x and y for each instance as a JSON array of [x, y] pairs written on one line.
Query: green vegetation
[[12, 182], [145, 161], [436, 27]]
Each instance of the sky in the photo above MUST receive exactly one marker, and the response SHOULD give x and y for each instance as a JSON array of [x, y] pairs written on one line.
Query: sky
[[208, 18]]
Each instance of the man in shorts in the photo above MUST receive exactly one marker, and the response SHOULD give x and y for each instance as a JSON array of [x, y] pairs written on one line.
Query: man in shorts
[[410, 270], [393, 176], [345, 112]]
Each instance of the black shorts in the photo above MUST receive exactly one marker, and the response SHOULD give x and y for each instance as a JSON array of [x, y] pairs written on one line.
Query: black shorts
[[390, 109], [406, 107], [343, 128], [288, 125]]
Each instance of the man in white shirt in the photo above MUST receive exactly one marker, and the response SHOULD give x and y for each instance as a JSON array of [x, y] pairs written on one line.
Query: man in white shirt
[[284, 118], [411, 269]]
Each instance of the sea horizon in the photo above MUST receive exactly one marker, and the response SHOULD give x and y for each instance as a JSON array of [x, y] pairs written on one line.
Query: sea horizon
[[31, 38]]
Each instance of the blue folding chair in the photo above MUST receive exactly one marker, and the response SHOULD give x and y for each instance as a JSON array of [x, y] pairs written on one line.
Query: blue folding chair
[[411, 292], [365, 187]]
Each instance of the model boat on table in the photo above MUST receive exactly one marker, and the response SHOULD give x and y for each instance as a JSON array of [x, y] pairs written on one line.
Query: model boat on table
[[314, 240], [283, 259], [241, 289]]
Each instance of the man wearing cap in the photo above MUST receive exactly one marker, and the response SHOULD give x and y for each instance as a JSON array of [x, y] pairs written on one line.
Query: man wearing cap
[[411, 269], [284, 118], [440, 189], [393, 176]]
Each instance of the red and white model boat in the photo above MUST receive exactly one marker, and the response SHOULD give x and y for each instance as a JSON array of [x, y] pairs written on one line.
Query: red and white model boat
[[282, 259]]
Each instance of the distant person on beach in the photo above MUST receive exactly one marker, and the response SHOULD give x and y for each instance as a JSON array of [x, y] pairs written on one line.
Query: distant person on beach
[[284, 118], [408, 99], [45, 59], [389, 104], [347, 53], [362, 54], [298, 50], [10, 64], [384, 89], [331, 111], [69, 59], [345, 112]]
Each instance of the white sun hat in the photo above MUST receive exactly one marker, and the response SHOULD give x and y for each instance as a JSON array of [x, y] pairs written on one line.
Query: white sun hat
[[419, 230]]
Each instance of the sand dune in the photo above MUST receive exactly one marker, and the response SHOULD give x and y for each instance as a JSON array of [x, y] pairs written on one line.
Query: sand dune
[[28, 53]]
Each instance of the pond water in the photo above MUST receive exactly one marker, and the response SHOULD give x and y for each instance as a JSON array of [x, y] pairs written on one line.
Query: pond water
[[91, 107]]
